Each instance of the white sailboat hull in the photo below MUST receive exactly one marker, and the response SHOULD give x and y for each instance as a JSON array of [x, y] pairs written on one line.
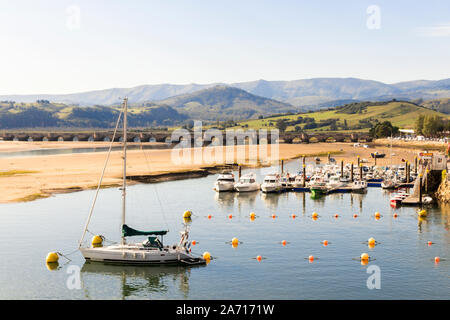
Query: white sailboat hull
[[139, 255]]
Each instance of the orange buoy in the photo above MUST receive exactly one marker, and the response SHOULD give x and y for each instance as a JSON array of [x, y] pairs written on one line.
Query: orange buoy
[[293, 216], [194, 242], [336, 216], [315, 215], [273, 216], [283, 242], [259, 258], [355, 216], [364, 257], [252, 215], [230, 216], [437, 259], [430, 243], [209, 216], [371, 241], [325, 242], [311, 258], [235, 241], [206, 256], [377, 215], [395, 215]]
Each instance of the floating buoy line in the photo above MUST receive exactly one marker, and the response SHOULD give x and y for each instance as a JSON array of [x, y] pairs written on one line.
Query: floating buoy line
[[52, 258]]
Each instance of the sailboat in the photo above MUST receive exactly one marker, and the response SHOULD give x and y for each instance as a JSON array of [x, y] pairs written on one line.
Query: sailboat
[[152, 251]]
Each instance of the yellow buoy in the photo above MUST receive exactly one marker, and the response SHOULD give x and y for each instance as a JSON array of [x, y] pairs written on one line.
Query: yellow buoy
[[97, 241], [371, 241], [187, 220], [364, 257], [187, 214], [422, 213], [235, 241], [377, 215], [206, 255], [52, 265], [252, 215], [52, 257]]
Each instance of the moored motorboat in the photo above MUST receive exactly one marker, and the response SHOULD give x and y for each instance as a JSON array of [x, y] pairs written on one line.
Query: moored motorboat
[[225, 182], [247, 183], [359, 186], [271, 183]]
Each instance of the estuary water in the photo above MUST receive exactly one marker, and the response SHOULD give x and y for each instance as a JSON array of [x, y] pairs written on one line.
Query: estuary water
[[28, 231]]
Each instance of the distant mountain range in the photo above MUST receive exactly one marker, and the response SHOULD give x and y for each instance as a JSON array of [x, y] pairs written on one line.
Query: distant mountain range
[[225, 103], [302, 94]]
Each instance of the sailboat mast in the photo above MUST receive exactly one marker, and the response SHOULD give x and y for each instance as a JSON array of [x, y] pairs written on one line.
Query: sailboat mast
[[124, 185]]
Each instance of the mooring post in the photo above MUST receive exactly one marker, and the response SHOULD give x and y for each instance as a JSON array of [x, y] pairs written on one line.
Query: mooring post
[[282, 166], [304, 175], [358, 161], [407, 171], [351, 172], [420, 189], [328, 157], [239, 171], [426, 180], [342, 168], [415, 165], [375, 160], [360, 172]]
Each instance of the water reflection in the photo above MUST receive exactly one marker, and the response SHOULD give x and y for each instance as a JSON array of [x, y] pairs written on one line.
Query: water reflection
[[228, 199], [139, 281]]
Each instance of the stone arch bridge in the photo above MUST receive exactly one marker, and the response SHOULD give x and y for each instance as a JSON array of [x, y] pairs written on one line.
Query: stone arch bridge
[[239, 137]]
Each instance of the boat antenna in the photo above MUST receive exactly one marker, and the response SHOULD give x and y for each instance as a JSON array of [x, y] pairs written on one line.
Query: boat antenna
[[124, 184]]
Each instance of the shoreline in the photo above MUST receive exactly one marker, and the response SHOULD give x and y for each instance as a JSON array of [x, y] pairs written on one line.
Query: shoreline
[[37, 177]]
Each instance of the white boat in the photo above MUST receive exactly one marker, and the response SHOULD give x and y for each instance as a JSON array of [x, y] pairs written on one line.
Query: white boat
[[151, 251], [298, 181], [335, 183], [359, 186], [225, 182], [271, 183], [247, 183]]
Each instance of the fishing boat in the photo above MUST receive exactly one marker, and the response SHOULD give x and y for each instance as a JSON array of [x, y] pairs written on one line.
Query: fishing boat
[[247, 183], [271, 183], [376, 154], [151, 251], [359, 186], [225, 182], [397, 198], [389, 184]]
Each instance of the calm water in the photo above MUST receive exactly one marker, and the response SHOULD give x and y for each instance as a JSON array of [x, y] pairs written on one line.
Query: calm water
[[56, 151], [28, 231]]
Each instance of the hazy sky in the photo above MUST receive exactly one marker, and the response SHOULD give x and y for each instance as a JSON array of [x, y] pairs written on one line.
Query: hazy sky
[[46, 47]]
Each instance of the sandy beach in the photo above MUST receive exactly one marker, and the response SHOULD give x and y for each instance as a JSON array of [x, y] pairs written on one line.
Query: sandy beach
[[29, 178]]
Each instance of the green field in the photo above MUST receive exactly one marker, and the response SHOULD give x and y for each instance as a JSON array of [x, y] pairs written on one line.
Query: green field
[[400, 114]]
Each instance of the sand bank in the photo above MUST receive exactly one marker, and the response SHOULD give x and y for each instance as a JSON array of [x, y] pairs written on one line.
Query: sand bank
[[41, 176]]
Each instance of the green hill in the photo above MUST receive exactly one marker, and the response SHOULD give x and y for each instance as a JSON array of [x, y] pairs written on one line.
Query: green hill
[[43, 114], [225, 103], [359, 116]]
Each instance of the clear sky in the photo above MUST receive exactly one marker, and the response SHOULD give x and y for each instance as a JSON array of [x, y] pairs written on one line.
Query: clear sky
[[47, 47]]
